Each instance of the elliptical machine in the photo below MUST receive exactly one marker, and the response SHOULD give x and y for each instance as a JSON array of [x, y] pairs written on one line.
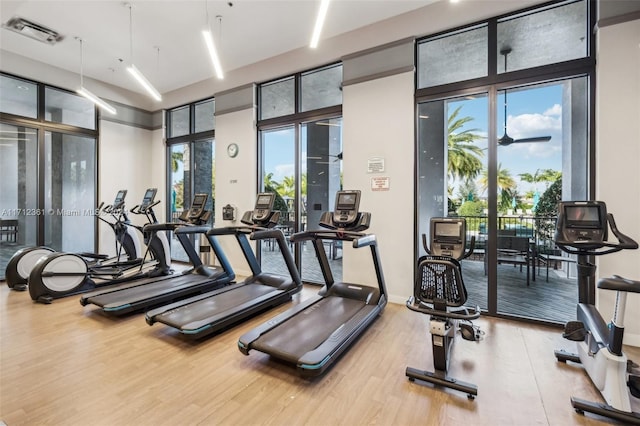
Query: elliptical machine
[[439, 291], [63, 274], [582, 230], [127, 245]]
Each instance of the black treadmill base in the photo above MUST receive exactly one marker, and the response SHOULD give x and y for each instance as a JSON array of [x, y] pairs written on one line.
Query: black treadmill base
[[445, 381]]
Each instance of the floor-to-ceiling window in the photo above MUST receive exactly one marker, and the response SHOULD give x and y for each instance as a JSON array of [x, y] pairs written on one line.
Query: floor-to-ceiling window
[[300, 131], [504, 117], [190, 161], [48, 163]]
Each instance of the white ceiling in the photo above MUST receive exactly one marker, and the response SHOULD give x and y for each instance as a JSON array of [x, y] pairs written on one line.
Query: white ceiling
[[250, 31]]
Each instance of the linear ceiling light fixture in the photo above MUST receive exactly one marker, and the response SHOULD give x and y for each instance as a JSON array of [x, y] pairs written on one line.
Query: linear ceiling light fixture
[[211, 46], [87, 94], [322, 14], [133, 70]]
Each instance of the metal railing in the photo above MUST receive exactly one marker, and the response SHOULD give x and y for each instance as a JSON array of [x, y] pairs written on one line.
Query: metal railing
[[539, 230]]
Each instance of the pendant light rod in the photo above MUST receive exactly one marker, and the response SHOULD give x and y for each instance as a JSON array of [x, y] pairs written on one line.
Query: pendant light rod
[[207, 34], [87, 94], [133, 70], [322, 14]]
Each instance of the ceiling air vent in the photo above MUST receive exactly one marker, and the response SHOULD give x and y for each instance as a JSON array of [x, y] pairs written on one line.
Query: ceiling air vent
[[33, 30]]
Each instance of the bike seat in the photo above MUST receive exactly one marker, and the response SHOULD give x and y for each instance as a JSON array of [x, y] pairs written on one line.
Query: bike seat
[[619, 283]]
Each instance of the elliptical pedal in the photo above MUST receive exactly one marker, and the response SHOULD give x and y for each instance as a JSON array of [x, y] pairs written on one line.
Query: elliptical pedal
[[574, 330]]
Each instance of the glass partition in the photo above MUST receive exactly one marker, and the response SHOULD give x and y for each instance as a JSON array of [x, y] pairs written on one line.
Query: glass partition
[[66, 108], [19, 97]]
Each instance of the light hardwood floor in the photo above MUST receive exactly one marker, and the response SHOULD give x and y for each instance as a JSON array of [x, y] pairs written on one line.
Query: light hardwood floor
[[63, 364]]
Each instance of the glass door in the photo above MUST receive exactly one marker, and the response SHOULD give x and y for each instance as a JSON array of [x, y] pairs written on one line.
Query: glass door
[[452, 154], [279, 176], [302, 164], [180, 186], [541, 159], [321, 178], [192, 171], [69, 192], [19, 211], [508, 189]]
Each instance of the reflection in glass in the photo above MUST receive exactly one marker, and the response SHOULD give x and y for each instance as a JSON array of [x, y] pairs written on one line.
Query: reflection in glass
[[178, 122], [18, 190], [534, 37], [454, 57], [70, 198], [19, 97], [277, 98], [321, 88], [68, 108], [204, 116]]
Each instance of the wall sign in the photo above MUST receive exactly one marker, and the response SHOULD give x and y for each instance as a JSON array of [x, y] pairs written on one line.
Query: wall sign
[[380, 183], [375, 165]]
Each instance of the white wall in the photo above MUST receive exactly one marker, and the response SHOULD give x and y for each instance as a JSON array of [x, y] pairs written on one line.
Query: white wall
[[124, 163], [378, 121], [618, 157], [236, 178]]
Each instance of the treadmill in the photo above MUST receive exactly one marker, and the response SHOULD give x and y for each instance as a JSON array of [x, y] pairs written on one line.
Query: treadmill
[[211, 312], [313, 334], [142, 294]]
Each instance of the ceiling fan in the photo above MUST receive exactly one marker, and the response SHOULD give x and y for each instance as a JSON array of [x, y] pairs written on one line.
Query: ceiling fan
[[506, 140], [337, 157]]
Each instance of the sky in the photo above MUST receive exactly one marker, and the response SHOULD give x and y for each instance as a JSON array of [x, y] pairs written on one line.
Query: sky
[[530, 112]]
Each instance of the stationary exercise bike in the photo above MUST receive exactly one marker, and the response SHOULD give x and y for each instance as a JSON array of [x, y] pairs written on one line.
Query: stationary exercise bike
[[127, 245], [64, 274], [582, 230], [439, 291]]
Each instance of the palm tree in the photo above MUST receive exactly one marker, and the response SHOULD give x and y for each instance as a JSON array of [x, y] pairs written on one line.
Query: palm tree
[[176, 158], [464, 155], [506, 186], [546, 175], [288, 187]]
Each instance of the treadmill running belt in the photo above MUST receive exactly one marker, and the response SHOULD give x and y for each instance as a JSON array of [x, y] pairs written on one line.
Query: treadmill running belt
[[294, 338], [141, 293], [221, 305]]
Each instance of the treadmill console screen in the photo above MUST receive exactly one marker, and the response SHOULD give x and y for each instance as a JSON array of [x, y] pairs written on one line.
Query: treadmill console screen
[[448, 236], [347, 205], [119, 201], [149, 196], [264, 206], [582, 221], [197, 206]]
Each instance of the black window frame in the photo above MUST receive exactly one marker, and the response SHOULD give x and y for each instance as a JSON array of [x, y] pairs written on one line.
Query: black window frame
[[42, 126]]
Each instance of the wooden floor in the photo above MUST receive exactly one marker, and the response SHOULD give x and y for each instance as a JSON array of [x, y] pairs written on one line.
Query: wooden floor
[[63, 364]]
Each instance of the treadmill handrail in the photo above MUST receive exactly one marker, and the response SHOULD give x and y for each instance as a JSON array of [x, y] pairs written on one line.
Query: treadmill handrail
[[232, 230], [176, 227], [321, 234]]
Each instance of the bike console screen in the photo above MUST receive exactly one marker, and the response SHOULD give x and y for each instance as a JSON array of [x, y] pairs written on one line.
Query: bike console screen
[[582, 221], [197, 206], [346, 211], [448, 236], [264, 206]]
